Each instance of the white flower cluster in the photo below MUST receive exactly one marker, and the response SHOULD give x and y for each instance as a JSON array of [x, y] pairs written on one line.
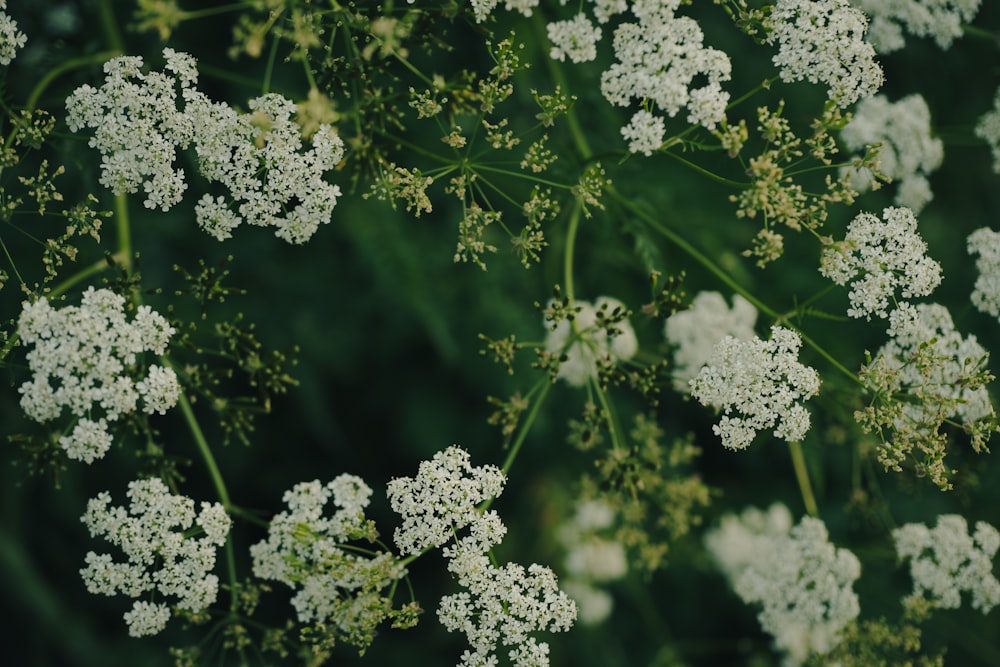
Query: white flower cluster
[[878, 257], [940, 19], [482, 8], [84, 359], [162, 557], [822, 41], [585, 339], [986, 294], [502, 605], [304, 550], [802, 581], [908, 151], [988, 129], [697, 330], [658, 60], [947, 560], [929, 328], [11, 39], [574, 38], [760, 380], [139, 128], [591, 559]]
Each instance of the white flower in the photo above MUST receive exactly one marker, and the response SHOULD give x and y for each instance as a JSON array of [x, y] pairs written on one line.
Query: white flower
[[946, 561], [588, 338], [803, 583], [988, 129], [908, 154], [940, 19], [160, 558], [878, 257], [697, 330], [441, 499], [574, 38], [763, 382], [986, 295], [11, 39], [822, 41], [644, 132], [84, 360]]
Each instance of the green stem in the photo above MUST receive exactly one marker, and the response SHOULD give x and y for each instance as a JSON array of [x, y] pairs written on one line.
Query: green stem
[[571, 231], [62, 68], [542, 387], [269, 68], [705, 172], [109, 23], [802, 476], [124, 231]]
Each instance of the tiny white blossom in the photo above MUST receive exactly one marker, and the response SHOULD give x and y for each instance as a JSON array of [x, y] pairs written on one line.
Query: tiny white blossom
[[762, 382], [988, 129], [985, 243], [697, 330], [940, 19], [802, 581], [160, 558], [574, 38], [946, 561], [822, 41], [879, 257], [644, 132], [11, 39], [585, 339], [908, 151]]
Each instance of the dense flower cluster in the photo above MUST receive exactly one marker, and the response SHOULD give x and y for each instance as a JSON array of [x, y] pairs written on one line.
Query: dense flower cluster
[[986, 295], [696, 331], [11, 39], [304, 550], [140, 126], [595, 332], [946, 561], [574, 38], [162, 557], [879, 257], [85, 360], [908, 152], [658, 60], [988, 129], [803, 583], [763, 382], [822, 41], [940, 19]]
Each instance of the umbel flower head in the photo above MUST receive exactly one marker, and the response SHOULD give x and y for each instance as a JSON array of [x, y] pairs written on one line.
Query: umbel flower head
[[162, 555], [85, 359], [595, 332], [11, 39], [985, 243], [940, 19], [802, 582], [762, 382]]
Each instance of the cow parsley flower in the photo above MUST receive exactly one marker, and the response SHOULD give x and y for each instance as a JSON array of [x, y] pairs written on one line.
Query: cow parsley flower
[[946, 561], [802, 581], [591, 559], [441, 499], [11, 39], [598, 331], [762, 382], [169, 549], [574, 38], [940, 19], [696, 331], [988, 129], [908, 151], [644, 132], [822, 41], [305, 549], [985, 242], [658, 59], [879, 257], [84, 359]]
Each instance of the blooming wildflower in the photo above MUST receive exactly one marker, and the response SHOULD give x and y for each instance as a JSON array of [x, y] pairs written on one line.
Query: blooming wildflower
[[160, 556], [986, 295], [696, 331], [304, 550], [802, 581], [947, 560], [760, 380], [11, 38], [908, 152], [644, 132], [441, 499], [877, 257], [84, 360], [988, 129], [822, 41], [940, 19], [591, 559], [575, 38], [658, 58], [589, 336]]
